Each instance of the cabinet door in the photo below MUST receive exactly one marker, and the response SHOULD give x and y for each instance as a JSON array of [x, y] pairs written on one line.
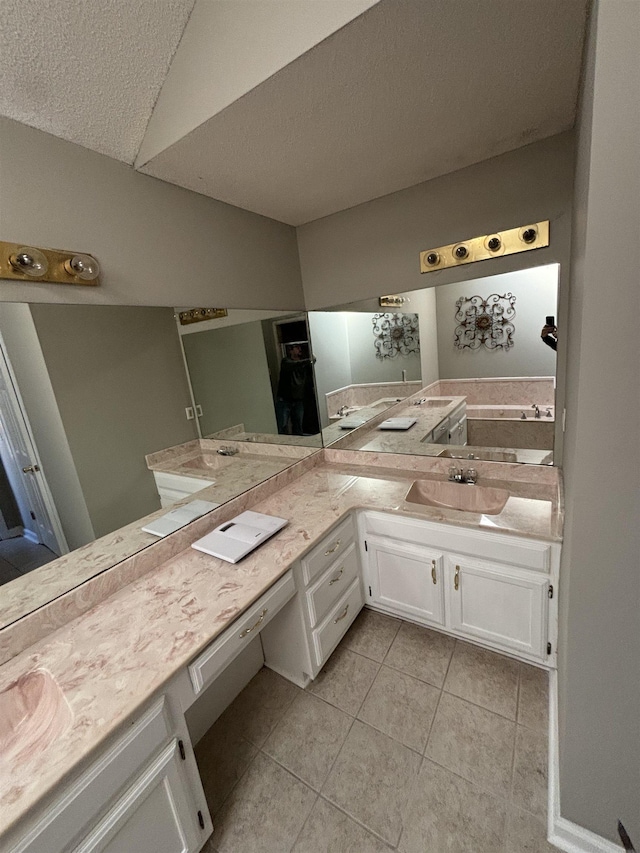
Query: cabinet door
[[504, 606], [155, 815], [405, 579]]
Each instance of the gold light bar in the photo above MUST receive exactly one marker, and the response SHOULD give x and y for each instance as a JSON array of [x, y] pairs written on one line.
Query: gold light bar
[[392, 301], [21, 262], [197, 315], [523, 239]]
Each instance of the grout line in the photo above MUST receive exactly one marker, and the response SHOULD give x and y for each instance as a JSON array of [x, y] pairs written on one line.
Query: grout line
[[306, 821]]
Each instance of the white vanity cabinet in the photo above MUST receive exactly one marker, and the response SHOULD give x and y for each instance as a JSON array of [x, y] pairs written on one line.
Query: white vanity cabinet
[[142, 794], [494, 589], [406, 579], [329, 596]]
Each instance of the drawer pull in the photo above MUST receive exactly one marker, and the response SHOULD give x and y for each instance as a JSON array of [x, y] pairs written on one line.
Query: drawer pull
[[456, 579], [335, 548], [433, 571], [341, 616], [253, 627], [337, 577]]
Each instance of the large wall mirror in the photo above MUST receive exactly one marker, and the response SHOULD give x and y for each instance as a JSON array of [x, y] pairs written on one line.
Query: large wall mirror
[[458, 370], [89, 393]]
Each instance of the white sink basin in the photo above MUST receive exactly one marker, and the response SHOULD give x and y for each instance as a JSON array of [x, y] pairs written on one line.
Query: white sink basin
[[460, 496], [33, 713]]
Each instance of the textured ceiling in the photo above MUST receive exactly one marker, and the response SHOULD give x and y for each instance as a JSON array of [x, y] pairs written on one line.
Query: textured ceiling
[[88, 72], [410, 90]]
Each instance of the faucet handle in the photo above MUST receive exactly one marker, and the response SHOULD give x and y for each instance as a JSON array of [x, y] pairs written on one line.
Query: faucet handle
[[454, 473], [471, 476]]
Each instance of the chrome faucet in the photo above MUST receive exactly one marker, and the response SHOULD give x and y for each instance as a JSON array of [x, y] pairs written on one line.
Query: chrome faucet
[[459, 475], [227, 451], [342, 411], [536, 410]]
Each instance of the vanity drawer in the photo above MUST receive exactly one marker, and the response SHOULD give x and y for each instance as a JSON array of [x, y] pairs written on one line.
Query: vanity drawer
[[334, 627], [331, 547], [332, 584], [221, 652]]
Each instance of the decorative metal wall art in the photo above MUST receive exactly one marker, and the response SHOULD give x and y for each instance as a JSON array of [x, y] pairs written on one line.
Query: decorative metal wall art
[[396, 334], [485, 321]]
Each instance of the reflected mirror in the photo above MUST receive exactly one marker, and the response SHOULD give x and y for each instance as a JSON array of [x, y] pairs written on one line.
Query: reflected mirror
[[478, 383], [99, 429]]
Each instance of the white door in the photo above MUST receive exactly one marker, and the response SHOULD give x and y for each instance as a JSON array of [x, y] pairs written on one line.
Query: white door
[[405, 579], [157, 814], [23, 468], [505, 607]]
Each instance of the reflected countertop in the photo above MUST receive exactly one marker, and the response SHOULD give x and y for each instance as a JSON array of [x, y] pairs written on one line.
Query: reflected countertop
[[110, 661]]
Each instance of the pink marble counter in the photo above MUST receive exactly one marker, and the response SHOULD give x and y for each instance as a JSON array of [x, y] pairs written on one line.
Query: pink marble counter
[[113, 658]]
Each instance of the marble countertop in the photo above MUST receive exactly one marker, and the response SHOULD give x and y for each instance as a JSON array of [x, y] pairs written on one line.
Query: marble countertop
[[253, 464], [112, 659]]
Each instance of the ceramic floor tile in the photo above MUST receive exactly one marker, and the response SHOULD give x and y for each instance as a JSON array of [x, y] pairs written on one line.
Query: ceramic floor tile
[[20, 552], [526, 833], [265, 811], [254, 713], [222, 756], [422, 653], [447, 813], [8, 572], [371, 779], [328, 830], [474, 743], [484, 678], [345, 680], [308, 738], [533, 699], [371, 634], [530, 771], [401, 706]]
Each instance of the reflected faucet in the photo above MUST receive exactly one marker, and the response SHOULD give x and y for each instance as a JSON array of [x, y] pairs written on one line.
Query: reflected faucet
[[342, 411], [536, 410], [227, 451]]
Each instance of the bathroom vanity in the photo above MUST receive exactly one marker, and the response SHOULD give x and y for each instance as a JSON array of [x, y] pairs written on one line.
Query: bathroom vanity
[[121, 773]]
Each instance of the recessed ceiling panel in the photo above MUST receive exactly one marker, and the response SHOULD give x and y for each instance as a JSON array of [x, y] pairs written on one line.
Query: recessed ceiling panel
[[410, 90]]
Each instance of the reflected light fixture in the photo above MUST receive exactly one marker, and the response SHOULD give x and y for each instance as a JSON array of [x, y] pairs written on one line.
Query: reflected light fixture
[[57, 266]]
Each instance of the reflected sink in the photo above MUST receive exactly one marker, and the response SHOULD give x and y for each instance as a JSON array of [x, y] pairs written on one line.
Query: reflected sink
[[460, 496], [487, 455], [438, 402], [33, 713], [208, 462]]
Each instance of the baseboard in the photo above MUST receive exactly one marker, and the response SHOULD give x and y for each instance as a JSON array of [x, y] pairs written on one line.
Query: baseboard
[[30, 536], [564, 834]]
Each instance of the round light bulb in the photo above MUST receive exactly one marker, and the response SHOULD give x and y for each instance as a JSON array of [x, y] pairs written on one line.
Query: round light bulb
[[30, 262], [83, 266]]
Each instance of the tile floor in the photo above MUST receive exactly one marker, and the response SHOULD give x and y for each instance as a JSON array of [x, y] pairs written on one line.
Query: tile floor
[[408, 740], [19, 556]]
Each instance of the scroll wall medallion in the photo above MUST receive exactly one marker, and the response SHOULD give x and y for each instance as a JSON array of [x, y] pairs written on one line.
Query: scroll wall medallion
[[396, 334], [485, 321]]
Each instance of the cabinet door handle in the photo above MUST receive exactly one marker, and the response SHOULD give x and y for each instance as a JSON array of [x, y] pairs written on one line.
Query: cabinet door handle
[[335, 548], [456, 579], [337, 577], [253, 627], [433, 571], [341, 616]]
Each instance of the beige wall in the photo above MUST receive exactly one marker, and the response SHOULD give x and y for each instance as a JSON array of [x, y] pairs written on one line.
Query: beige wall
[[373, 248], [599, 645], [158, 244], [119, 381], [41, 408]]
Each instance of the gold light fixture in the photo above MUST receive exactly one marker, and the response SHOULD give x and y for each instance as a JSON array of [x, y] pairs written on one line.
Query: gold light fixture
[[55, 266], [197, 315], [522, 239], [392, 301]]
